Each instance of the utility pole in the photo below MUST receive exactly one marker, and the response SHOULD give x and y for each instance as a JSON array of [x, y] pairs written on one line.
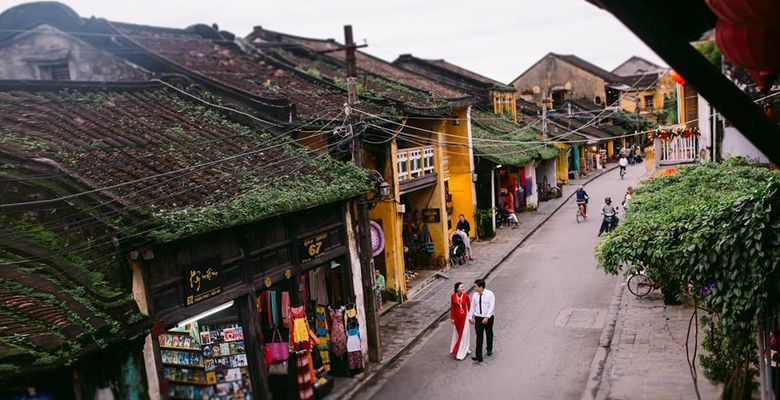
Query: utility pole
[[366, 256]]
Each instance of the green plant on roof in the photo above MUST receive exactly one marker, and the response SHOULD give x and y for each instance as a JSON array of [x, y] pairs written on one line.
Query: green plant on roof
[[311, 71], [271, 87]]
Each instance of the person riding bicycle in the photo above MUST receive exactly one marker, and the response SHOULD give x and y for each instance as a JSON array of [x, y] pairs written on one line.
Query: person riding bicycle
[[582, 200], [610, 216], [623, 162]]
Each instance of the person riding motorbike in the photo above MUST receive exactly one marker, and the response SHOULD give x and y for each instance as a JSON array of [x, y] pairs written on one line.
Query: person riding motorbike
[[610, 216], [582, 200]]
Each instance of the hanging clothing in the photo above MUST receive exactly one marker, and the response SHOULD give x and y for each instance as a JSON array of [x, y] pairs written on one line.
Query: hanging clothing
[[273, 308], [320, 291], [459, 309], [303, 289], [321, 329], [286, 309], [338, 336], [354, 353], [303, 373]]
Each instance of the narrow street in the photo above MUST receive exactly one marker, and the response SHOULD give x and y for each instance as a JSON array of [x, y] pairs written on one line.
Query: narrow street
[[551, 307]]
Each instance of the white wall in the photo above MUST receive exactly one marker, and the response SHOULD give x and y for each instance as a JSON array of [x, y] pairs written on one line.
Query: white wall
[[734, 142], [532, 201]]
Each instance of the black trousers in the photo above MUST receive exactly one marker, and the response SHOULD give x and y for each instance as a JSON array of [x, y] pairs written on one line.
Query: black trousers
[[484, 330]]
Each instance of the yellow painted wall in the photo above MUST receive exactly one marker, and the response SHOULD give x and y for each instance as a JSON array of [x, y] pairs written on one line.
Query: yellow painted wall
[[392, 222], [433, 197], [504, 102], [460, 170], [610, 149], [649, 158], [562, 166]]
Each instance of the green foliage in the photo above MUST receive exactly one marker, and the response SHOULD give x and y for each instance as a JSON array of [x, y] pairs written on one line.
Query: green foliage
[[716, 226], [487, 131], [332, 181], [484, 220], [710, 50], [669, 116]]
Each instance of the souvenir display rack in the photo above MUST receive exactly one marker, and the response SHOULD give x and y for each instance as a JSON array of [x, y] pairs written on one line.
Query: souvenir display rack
[[225, 361], [183, 365]]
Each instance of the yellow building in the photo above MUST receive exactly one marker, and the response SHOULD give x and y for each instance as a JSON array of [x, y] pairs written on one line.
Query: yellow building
[[649, 87]]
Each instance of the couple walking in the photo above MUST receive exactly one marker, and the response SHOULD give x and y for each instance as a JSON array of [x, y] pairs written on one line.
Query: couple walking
[[479, 312]]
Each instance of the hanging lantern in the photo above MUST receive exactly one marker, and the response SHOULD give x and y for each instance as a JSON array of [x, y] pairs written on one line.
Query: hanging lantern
[[754, 48], [687, 133], [664, 135], [676, 78], [749, 13]]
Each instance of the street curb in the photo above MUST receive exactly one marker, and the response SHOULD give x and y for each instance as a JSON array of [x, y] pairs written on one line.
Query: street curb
[[594, 385], [374, 371]]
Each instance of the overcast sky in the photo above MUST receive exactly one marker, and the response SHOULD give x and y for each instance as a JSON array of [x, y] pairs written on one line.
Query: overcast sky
[[497, 38]]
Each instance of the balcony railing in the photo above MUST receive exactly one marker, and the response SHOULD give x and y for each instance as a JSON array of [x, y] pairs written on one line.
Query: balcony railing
[[415, 162], [679, 150]]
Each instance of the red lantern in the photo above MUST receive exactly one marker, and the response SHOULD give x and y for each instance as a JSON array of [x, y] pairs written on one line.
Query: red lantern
[[754, 48], [664, 135], [676, 77], [687, 133], [746, 12]]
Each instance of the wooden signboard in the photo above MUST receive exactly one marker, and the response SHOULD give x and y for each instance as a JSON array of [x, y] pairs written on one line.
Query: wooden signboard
[[313, 247], [202, 281], [431, 215]]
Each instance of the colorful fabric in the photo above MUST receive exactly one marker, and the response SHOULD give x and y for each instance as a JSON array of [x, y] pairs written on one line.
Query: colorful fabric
[[355, 360], [321, 329], [286, 309], [303, 373], [273, 308], [338, 336]]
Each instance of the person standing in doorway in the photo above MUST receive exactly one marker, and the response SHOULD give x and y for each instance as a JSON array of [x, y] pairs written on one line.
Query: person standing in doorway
[[379, 289], [483, 305]]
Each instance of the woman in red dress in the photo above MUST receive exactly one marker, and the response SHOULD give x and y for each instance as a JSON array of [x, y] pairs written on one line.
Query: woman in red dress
[[459, 309]]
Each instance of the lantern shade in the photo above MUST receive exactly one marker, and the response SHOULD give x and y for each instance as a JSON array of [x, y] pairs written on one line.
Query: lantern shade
[[752, 47], [676, 77], [747, 12]]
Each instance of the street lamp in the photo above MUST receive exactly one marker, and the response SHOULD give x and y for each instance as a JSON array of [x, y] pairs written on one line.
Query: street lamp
[[381, 189]]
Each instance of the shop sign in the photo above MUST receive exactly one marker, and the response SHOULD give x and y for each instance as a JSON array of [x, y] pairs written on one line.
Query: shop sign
[[202, 281], [431, 215], [313, 247]]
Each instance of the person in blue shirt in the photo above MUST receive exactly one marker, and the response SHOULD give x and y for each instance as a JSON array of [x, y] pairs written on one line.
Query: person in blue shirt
[[582, 200]]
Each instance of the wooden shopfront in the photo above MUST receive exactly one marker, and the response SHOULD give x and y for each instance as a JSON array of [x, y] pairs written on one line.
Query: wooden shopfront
[[208, 298]]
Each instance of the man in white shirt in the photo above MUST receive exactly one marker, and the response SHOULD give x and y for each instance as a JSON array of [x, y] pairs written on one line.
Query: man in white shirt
[[483, 304], [623, 163]]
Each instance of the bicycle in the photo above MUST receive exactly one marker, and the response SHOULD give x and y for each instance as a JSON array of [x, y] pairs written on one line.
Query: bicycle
[[640, 285], [581, 212]]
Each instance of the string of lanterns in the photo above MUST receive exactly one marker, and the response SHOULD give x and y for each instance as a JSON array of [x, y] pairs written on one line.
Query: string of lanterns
[[672, 133]]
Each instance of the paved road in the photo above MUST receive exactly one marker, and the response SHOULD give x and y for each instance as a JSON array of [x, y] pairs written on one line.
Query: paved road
[[551, 306]]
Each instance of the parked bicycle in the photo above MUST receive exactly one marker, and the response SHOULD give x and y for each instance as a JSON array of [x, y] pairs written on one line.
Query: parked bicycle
[[640, 285]]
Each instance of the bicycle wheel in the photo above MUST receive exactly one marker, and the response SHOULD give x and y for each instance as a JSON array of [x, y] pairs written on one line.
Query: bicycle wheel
[[639, 285], [579, 214]]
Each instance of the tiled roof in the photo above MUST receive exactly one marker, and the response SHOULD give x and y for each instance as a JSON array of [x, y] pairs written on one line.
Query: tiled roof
[[223, 62], [148, 166], [642, 81], [365, 62], [405, 59], [590, 67], [488, 130]]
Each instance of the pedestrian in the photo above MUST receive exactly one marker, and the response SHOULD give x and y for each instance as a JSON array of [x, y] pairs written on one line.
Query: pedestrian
[[379, 289], [483, 304], [459, 310], [463, 225]]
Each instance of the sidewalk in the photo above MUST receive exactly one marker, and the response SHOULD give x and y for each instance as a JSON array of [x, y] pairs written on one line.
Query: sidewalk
[[646, 356], [405, 323]]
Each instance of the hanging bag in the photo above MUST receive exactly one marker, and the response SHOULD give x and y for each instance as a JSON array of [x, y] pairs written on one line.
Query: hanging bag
[[280, 350], [279, 368]]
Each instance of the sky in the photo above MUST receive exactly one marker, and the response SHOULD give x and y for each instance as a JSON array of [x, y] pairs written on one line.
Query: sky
[[496, 38]]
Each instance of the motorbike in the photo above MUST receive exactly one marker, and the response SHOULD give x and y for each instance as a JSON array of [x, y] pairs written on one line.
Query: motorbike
[[457, 251]]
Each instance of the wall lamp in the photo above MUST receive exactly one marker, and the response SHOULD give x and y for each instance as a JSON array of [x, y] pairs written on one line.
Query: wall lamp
[[381, 189]]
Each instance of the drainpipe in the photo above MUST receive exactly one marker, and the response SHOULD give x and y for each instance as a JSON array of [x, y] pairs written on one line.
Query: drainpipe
[[493, 196]]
